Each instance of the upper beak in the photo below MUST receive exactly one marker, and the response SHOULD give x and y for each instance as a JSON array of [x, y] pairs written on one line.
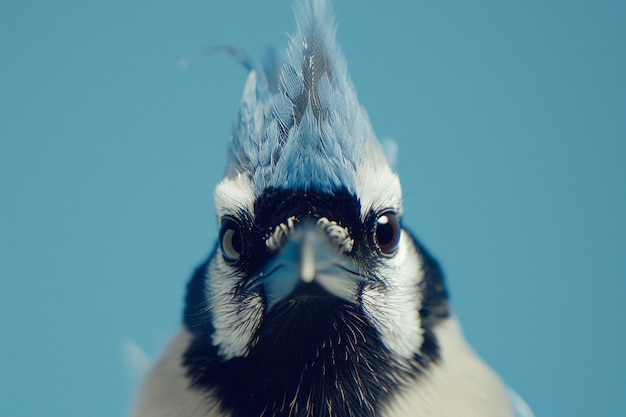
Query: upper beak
[[310, 265]]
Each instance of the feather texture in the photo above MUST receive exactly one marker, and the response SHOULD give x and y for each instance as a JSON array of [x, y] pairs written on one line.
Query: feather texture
[[309, 132]]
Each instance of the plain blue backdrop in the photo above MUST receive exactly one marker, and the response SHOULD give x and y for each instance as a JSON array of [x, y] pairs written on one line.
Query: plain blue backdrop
[[511, 124]]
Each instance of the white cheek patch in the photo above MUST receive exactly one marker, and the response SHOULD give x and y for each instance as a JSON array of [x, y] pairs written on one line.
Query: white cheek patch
[[393, 305], [393, 308], [236, 317]]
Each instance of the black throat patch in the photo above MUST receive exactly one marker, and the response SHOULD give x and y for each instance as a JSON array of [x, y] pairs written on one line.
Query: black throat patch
[[315, 357]]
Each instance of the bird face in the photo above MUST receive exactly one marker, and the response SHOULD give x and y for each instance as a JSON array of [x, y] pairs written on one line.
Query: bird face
[[315, 297], [286, 248], [316, 301]]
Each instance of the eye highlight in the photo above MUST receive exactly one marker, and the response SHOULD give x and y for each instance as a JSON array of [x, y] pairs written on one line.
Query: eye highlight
[[387, 232], [231, 240]]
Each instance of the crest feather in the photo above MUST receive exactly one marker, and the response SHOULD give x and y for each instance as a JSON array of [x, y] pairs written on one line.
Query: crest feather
[[309, 131]]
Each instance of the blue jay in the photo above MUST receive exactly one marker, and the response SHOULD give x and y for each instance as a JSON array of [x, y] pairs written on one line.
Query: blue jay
[[316, 301]]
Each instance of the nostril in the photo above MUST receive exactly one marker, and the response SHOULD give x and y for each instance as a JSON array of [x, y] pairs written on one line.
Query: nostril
[[337, 234]]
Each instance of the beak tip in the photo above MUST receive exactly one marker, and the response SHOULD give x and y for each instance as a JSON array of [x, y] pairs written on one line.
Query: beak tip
[[308, 258]]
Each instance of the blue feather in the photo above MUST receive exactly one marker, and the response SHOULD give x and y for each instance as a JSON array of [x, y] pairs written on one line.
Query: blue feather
[[306, 133]]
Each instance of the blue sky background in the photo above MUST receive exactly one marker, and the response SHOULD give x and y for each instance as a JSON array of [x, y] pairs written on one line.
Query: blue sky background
[[511, 124]]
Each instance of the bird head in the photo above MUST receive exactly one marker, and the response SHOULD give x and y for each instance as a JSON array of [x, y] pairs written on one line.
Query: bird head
[[314, 283]]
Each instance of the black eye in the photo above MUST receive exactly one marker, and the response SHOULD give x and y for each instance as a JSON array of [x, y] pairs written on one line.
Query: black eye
[[231, 240], [387, 232]]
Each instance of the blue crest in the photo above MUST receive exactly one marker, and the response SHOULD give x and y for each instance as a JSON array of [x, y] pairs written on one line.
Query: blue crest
[[300, 125]]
